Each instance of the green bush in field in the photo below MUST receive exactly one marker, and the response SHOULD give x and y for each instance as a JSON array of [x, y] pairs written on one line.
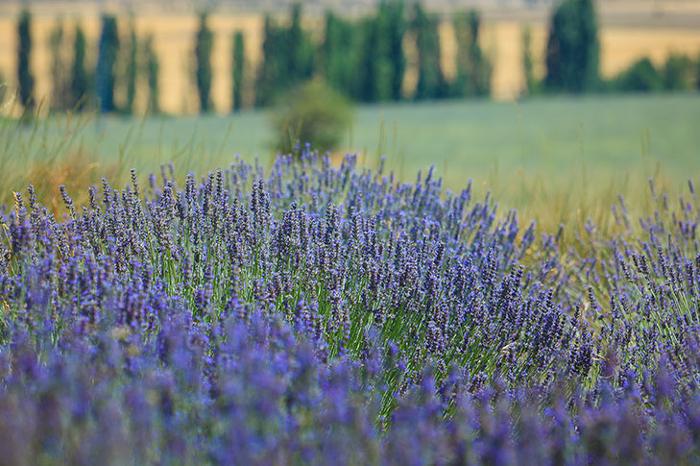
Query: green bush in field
[[678, 73], [312, 113], [641, 76], [130, 68]]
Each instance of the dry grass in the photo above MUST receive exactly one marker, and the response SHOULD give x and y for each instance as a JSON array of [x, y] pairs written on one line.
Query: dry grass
[[47, 156]]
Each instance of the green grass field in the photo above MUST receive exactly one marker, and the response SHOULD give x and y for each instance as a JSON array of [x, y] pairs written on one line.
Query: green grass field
[[557, 158]]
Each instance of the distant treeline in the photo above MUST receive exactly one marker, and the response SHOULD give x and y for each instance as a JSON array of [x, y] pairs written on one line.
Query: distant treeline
[[572, 59], [364, 59]]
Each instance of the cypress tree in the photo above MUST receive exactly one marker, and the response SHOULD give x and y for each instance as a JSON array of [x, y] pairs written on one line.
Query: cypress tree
[[339, 54], [79, 80], [369, 62], [59, 85], [25, 78], [270, 64], [204, 42], [300, 52], [58, 67], [288, 58], [394, 30], [431, 80], [573, 49], [238, 71], [473, 68], [528, 63], [152, 72], [106, 63], [131, 69]]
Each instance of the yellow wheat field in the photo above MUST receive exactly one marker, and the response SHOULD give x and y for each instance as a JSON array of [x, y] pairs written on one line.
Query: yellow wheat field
[[174, 32]]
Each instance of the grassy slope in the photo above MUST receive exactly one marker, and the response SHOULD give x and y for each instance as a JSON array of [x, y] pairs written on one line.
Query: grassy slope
[[554, 156]]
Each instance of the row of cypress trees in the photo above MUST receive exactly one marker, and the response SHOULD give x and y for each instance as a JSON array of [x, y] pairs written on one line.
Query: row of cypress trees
[[76, 86], [365, 59]]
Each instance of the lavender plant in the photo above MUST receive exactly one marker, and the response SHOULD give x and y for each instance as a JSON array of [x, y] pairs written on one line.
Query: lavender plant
[[316, 314]]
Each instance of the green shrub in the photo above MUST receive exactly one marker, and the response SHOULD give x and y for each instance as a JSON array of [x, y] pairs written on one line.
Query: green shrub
[[641, 76], [678, 73], [311, 113]]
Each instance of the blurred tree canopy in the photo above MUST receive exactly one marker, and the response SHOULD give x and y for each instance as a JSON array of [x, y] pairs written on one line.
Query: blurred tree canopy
[[105, 75], [363, 59], [573, 48], [288, 57], [431, 80], [473, 67], [79, 76], [204, 41], [238, 72], [151, 68], [25, 77]]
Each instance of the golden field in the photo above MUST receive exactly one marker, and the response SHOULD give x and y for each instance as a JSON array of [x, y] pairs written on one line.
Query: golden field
[[173, 35]]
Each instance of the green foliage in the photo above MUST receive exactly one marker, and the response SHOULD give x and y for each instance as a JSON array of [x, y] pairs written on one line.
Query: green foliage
[[312, 113], [573, 49], [288, 58], [531, 82], [151, 70], [365, 59], [375, 68], [131, 69], [204, 42], [79, 83], [641, 76], [272, 66], [299, 51], [25, 78], [238, 71], [340, 54], [60, 95], [473, 68], [431, 80], [105, 75], [393, 26], [678, 73]]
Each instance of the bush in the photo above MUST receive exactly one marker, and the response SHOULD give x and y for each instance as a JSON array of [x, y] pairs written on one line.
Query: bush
[[312, 113], [678, 73], [641, 76]]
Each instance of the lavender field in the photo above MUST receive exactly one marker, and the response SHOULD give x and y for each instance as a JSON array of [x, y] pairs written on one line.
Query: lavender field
[[368, 232], [320, 314]]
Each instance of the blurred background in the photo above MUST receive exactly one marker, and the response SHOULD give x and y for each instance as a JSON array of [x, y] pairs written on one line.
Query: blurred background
[[554, 106]]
